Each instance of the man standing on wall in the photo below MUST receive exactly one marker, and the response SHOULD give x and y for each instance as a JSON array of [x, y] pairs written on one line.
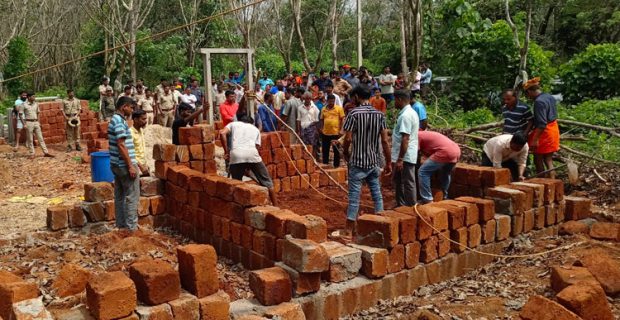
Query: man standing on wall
[[124, 166], [71, 109], [365, 133], [29, 114], [405, 150]]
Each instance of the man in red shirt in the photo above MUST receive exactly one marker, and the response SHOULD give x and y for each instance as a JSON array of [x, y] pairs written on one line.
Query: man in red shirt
[[443, 154], [229, 107]]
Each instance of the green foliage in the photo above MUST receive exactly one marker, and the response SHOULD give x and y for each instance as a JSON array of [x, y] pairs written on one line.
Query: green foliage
[[274, 65], [592, 74], [17, 64], [599, 112]]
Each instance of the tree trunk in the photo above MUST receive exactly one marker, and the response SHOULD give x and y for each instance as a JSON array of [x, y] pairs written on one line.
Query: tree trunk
[[403, 47], [542, 30], [418, 33], [296, 8]]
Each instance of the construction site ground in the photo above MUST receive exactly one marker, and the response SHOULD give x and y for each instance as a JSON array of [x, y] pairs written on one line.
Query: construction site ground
[[27, 187]]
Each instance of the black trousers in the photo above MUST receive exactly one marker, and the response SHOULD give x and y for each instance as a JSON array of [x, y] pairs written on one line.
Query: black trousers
[[326, 143]]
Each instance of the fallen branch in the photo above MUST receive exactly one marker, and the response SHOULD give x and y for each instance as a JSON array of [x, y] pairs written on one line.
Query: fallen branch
[[485, 126], [599, 176], [612, 131], [474, 137], [470, 148], [579, 153]]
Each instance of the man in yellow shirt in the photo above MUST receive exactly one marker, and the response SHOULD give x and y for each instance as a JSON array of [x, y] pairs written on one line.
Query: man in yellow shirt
[[137, 133], [330, 125]]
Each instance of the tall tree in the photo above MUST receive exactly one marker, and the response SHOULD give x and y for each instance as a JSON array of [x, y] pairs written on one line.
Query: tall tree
[[523, 49]]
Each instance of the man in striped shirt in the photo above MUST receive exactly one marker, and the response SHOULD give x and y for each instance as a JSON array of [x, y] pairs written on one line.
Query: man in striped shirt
[[124, 166], [517, 116], [366, 133]]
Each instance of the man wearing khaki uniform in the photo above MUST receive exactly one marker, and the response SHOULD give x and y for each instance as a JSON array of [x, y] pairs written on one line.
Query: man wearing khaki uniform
[[30, 111], [166, 105], [71, 109]]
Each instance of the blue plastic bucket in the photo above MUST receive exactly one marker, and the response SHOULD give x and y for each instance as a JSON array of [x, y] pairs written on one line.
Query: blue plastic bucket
[[100, 167]]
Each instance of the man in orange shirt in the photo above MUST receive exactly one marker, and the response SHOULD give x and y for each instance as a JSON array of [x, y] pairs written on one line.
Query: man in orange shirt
[[378, 102], [228, 109]]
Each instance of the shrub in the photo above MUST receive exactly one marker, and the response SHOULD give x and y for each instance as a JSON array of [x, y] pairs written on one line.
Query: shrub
[[592, 74], [19, 56]]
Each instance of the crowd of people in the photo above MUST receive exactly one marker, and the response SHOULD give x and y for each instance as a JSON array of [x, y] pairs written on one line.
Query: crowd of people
[[341, 114]]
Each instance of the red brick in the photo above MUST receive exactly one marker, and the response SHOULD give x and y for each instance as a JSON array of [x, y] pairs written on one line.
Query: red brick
[[215, 306], [208, 151], [428, 252], [507, 201], [208, 132], [538, 192], [57, 217], [295, 182], [539, 218], [197, 267], [265, 140], [185, 307], [156, 281], [302, 283], [251, 195], [226, 188], [407, 224], [158, 205], [564, 276], [443, 243], [172, 174], [271, 286], [488, 231], [412, 254], [605, 231], [604, 268], [549, 193], [529, 218], [516, 225], [161, 169], [12, 290], [255, 216], [377, 231], [396, 258], [247, 233], [197, 165], [587, 300], [486, 207], [182, 154], [502, 230], [304, 255], [109, 213], [308, 227], [460, 173], [111, 295], [435, 214], [550, 214], [460, 236], [280, 155], [471, 210], [225, 229], [280, 139], [76, 217], [296, 151], [577, 208], [474, 235], [338, 174], [275, 221], [344, 261], [98, 191], [528, 202], [196, 152], [190, 135], [541, 308], [492, 177], [573, 227], [558, 194], [374, 261], [150, 186]]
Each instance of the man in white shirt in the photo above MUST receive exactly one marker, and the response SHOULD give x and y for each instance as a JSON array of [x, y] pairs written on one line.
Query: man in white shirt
[[415, 84], [507, 151], [307, 122], [386, 81], [242, 153], [188, 97]]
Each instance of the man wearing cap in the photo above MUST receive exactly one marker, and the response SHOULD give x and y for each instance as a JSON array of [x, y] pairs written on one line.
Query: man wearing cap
[[166, 105], [104, 87], [544, 139], [71, 109], [29, 114]]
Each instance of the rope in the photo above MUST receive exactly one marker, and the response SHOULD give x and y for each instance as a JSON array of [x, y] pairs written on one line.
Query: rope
[[415, 208], [159, 34]]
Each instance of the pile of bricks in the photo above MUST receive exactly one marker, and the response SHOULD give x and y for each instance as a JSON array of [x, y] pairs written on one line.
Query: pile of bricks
[[98, 206], [581, 289], [98, 141], [53, 122], [196, 151], [291, 167], [470, 180]]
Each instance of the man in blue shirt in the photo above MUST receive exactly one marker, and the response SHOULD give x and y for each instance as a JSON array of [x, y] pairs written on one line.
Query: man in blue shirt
[[517, 116], [124, 166], [405, 150], [267, 121], [264, 81], [419, 108]]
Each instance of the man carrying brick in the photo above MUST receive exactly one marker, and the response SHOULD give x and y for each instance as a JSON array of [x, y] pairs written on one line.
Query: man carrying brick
[[507, 151], [243, 154], [404, 150], [186, 116], [124, 166], [366, 133], [442, 154]]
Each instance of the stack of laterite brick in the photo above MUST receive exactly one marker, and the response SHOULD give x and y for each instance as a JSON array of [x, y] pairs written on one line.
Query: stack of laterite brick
[[470, 180], [99, 206], [291, 167], [196, 151], [98, 140], [53, 122]]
